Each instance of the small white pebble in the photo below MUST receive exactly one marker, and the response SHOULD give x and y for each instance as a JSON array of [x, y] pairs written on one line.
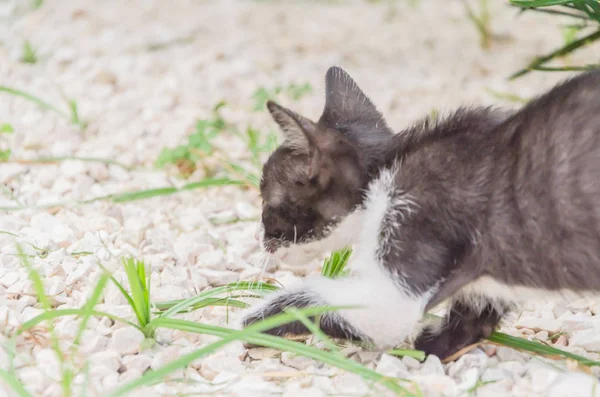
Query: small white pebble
[[126, 340]]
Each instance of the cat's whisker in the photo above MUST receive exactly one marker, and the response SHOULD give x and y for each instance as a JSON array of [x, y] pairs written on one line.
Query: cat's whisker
[[264, 266]]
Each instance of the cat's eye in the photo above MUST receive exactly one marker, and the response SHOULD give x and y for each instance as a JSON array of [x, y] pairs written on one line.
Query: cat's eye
[[300, 183], [313, 181]]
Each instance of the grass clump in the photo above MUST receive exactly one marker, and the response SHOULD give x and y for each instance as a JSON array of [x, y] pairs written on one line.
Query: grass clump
[[215, 161], [335, 265], [29, 53], [586, 30], [200, 151], [139, 297]]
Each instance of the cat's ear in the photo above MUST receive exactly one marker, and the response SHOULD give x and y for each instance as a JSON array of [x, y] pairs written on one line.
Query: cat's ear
[[347, 106], [298, 131], [302, 135]]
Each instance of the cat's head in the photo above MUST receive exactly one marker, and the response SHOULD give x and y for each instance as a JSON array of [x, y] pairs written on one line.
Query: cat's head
[[316, 178]]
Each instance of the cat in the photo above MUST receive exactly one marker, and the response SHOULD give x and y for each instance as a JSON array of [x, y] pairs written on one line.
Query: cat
[[484, 208]]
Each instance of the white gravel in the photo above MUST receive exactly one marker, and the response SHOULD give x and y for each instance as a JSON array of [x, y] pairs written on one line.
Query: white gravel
[[142, 72]]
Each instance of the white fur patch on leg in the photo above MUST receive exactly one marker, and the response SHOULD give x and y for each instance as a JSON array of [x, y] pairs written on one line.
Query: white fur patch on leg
[[384, 314], [391, 312]]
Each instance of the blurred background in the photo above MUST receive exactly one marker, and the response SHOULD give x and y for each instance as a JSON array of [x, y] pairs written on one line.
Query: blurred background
[[141, 73]]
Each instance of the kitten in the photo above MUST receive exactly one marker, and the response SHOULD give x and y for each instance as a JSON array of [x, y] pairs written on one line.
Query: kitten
[[485, 208]]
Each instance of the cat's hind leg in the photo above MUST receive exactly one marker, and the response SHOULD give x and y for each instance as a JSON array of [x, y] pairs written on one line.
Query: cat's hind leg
[[382, 312], [467, 322]]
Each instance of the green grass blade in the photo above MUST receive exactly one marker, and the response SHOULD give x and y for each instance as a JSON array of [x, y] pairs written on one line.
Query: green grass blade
[[558, 53], [6, 128], [289, 346], [14, 384], [143, 194], [541, 3], [137, 195], [230, 302], [416, 354], [140, 306], [41, 103], [312, 327], [40, 292], [185, 304], [212, 182], [585, 17], [36, 280], [88, 309], [75, 118], [228, 336], [583, 68], [252, 335], [68, 312], [507, 96], [144, 292], [537, 348], [335, 265], [165, 191], [120, 287]]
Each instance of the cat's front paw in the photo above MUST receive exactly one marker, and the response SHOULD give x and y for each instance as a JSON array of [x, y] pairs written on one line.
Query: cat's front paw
[[437, 343], [447, 341]]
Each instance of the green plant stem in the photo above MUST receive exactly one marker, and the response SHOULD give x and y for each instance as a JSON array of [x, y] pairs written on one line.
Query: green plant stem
[[481, 22], [537, 348], [136, 194], [298, 348], [41, 103], [416, 354], [38, 287], [313, 328], [69, 312], [558, 53], [557, 12], [14, 383], [584, 68]]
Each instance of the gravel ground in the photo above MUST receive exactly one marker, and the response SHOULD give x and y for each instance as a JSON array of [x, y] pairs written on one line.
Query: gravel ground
[[143, 72]]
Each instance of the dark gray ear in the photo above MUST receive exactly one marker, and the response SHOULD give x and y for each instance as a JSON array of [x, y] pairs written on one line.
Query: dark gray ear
[[303, 135], [298, 131], [347, 107]]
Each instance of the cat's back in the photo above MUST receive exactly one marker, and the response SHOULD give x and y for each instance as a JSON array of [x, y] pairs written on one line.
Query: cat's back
[[546, 187], [554, 142]]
